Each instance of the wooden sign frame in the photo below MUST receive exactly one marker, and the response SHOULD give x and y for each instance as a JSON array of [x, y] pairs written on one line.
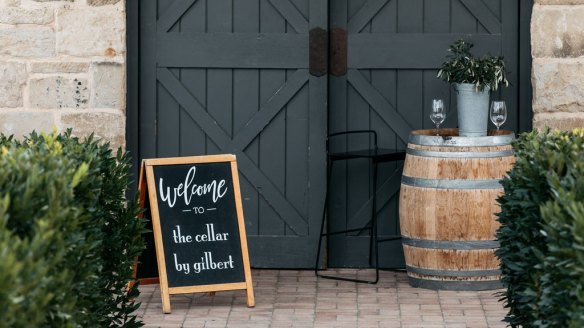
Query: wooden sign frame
[[147, 179]]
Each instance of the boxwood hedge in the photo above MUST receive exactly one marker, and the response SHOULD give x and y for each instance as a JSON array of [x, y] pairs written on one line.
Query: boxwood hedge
[[68, 237], [542, 231]]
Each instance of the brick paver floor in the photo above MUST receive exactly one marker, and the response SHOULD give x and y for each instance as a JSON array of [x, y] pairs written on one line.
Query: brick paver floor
[[290, 298]]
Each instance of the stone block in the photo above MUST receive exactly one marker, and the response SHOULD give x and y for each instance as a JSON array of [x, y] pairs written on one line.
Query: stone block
[[557, 85], [20, 123], [108, 85], [91, 31], [559, 2], [17, 15], [560, 121], [108, 125], [58, 92], [59, 67], [12, 80], [557, 31], [27, 41], [101, 2], [9, 3]]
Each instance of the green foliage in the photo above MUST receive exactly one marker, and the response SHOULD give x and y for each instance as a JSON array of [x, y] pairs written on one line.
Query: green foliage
[[542, 231], [463, 67], [68, 237]]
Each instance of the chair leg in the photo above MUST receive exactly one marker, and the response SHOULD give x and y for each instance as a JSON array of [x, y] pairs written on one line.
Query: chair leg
[[374, 228], [372, 221]]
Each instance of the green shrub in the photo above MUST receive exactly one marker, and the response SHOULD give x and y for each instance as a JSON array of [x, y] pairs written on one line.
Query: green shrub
[[562, 280], [68, 237], [542, 231], [39, 227]]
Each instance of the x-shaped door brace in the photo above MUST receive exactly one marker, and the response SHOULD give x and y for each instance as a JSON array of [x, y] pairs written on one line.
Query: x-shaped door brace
[[284, 7], [236, 145], [477, 8]]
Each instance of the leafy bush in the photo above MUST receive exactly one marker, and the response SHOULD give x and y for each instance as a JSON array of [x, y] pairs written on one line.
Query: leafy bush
[[542, 231], [68, 238]]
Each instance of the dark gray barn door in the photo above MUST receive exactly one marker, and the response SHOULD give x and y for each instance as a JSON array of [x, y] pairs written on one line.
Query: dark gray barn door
[[223, 76], [232, 76], [393, 50]]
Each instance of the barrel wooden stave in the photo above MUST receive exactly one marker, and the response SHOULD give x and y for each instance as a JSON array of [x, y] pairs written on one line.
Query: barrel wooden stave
[[451, 221], [458, 168], [452, 259]]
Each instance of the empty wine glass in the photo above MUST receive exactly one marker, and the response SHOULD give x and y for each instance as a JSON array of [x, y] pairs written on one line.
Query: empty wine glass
[[438, 114], [498, 113]]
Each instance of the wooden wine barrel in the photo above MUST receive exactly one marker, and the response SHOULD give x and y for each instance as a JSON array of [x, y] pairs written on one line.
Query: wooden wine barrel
[[447, 208]]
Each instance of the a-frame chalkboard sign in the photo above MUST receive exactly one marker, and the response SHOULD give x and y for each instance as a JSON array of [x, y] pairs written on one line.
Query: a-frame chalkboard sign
[[197, 220]]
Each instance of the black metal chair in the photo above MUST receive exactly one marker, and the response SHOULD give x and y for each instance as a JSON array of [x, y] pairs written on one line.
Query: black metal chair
[[375, 155]]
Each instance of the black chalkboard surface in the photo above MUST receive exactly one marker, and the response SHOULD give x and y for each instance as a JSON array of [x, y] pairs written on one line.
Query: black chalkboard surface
[[197, 220]]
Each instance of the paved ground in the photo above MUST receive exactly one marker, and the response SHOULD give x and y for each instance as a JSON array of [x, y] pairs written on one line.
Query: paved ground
[[289, 298]]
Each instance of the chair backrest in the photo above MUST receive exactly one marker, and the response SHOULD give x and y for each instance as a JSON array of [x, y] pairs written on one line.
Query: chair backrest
[[351, 140]]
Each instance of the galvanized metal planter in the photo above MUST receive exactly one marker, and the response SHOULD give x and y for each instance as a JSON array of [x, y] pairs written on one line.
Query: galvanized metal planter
[[473, 110]]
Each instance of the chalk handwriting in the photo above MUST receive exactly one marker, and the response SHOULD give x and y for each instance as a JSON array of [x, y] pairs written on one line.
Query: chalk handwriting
[[188, 189]]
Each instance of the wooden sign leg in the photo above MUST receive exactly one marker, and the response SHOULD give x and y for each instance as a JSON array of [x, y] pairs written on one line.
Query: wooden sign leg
[[157, 230], [250, 297], [242, 235], [165, 302]]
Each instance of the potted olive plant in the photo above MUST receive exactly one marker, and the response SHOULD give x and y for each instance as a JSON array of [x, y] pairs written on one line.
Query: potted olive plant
[[473, 79]]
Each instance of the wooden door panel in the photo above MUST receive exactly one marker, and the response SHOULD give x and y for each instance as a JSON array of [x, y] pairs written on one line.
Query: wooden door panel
[[232, 77], [394, 50]]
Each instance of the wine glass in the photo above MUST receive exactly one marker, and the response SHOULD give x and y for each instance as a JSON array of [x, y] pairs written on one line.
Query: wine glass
[[498, 113], [438, 115]]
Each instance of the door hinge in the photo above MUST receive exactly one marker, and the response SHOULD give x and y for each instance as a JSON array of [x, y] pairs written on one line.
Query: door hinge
[[338, 52], [318, 51]]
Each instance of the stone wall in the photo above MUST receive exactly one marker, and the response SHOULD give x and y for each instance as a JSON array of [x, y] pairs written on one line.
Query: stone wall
[[557, 40], [62, 64]]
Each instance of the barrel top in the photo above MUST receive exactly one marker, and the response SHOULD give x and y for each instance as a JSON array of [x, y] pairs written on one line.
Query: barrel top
[[450, 138]]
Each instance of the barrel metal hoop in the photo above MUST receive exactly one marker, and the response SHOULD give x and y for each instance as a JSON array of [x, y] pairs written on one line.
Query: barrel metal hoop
[[447, 141], [450, 244], [450, 184], [459, 154], [456, 285], [453, 273]]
